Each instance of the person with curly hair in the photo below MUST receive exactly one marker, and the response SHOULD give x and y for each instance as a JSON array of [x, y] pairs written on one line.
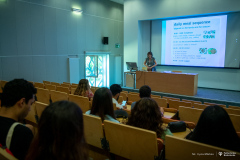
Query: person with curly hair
[[60, 134], [147, 115], [83, 89]]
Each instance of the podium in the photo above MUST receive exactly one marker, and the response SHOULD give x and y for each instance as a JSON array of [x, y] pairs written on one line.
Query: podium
[[130, 79], [170, 82]]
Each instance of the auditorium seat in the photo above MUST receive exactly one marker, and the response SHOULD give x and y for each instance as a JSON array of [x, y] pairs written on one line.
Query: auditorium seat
[[43, 95], [94, 135], [58, 96], [4, 155], [179, 148], [63, 89], [133, 97], [39, 108], [82, 102], [233, 107], [175, 104], [155, 96], [191, 101], [46, 82], [235, 121], [93, 90], [131, 142], [67, 85], [31, 117], [232, 111], [124, 95], [50, 87], [39, 85], [56, 84], [74, 85], [162, 102], [177, 99], [73, 90], [213, 104], [200, 106], [189, 114], [120, 99], [3, 83]]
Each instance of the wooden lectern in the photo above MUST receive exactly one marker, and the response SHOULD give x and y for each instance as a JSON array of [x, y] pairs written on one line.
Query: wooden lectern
[[170, 82]]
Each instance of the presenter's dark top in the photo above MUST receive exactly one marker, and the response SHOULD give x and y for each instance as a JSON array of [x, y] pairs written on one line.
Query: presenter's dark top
[[151, 62], [21, 138]]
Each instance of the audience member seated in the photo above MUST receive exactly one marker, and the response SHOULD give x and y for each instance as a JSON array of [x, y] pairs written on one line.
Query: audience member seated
[[215, 128], [144, 91], [83, 89], [147, 115], [60, 134], [102, 105], [116, 89], [17, 97]]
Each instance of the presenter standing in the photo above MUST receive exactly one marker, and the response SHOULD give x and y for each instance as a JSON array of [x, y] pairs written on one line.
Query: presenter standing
[[150, 62]]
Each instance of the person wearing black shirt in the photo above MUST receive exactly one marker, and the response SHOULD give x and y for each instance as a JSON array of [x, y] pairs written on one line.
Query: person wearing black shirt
[[16, 100]]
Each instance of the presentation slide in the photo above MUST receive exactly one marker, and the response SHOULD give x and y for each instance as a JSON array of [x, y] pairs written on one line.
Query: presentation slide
[[197, 41]]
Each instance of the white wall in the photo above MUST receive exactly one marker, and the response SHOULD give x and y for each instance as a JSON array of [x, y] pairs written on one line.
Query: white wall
[[135, 10], [37, 36]]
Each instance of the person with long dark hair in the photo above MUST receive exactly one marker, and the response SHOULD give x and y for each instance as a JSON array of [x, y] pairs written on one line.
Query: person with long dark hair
[[147, 115], [60, 134], [102, 105], [83, 89], [215, 128]]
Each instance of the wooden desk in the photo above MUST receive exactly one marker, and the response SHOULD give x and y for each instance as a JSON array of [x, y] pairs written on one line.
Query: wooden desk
[[168, 114], [176, 83]]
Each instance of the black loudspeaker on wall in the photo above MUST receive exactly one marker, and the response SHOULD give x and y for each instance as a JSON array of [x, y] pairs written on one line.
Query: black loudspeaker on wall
[[105, 40]]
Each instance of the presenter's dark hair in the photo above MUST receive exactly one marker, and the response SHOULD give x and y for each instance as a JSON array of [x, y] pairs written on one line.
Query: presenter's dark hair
[[150, 53], [102, 103], [60, 134], [145, 91], [146, 114], [115, 89], [15, 90], [215, 128]]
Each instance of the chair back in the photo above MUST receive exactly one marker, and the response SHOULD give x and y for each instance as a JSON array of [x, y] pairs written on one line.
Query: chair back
[[93, 130], [82, 102], [213, 104], [233, 111], [189, 114], [50, 87], [133, 97], [161, 102], [200, 106], [39, 108], [120, 99], [31, 116], [56, 84], [131, 142], [179, 148], [73, 90], [63, 89], [233, 107], [43, 95], [46, 82], [124, 95], [58, 96], [235, 121], [38, 85], [66, 85], [2, 83]]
